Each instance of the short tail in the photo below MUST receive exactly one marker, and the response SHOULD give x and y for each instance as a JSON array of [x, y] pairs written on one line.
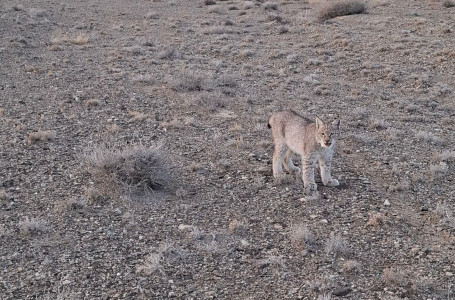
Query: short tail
[[268, 125]]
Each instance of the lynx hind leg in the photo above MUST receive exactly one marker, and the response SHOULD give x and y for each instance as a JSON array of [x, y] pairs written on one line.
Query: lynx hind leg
[[278, 156], [289, 164], [326, 176]]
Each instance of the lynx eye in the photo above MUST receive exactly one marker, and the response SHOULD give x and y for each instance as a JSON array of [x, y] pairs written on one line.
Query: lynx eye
[[322, 134]]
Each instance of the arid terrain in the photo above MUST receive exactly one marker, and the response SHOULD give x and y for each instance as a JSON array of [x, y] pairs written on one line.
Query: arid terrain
[[193, 83]]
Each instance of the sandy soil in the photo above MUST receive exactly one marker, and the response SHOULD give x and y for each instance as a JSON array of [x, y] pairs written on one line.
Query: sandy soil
[[203, 80]]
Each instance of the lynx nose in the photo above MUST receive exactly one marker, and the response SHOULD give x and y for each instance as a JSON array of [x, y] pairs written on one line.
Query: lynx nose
[[328, 144]]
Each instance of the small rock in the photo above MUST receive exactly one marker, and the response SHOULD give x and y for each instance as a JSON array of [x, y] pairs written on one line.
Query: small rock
[[341, 292], [386, 202], [278, 226], [244, 243], [324, 221], [449, 274], [184, 227]]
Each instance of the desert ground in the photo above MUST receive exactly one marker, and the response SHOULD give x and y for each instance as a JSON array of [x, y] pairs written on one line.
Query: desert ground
[[181, 92]]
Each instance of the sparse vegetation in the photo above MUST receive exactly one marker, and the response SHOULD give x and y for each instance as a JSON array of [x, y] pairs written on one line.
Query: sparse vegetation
[[448, 3], [33, 226], [135, 171], [301, 236], [41, 136], [336, 245], [112, 221], [428, 137], [341, 8]]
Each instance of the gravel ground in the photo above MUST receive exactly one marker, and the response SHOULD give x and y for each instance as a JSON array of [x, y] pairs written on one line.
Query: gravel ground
[[199, 80]]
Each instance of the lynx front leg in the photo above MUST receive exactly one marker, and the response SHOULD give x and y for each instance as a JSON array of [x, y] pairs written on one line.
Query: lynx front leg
[[277, 160], [308, 174], [327, 179], [289, 164]]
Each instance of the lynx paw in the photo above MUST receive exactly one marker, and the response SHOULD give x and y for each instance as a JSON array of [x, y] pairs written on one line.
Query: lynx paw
[[311, 186], [296, 170], [332, 182]]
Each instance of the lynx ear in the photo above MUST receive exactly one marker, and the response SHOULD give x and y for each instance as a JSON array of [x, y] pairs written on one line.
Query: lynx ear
[[336, 123], [319, 122]]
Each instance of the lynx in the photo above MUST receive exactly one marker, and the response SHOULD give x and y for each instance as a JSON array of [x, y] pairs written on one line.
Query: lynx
[[313, 141]]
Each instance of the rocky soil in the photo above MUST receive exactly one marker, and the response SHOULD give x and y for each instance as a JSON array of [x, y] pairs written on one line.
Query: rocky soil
[[202, 78]]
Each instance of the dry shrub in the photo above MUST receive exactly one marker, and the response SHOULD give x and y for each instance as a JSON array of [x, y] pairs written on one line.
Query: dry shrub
[[33, 226], [189, 83], [92, 102], [341, 8], [41, 136], [133, 171], [236, 227], [336, 245], [439, 170], [376, 219], [301, 236], [81, 39], [396, 277], [138, 116], [351, 266]]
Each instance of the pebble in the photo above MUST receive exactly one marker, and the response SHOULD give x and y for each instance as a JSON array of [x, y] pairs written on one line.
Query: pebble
[[386, 202], [324, 221], [341, 292], [184, 227], [278, 226]]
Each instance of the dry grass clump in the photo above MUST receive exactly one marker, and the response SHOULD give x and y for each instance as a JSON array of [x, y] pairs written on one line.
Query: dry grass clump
[[376, 219], [270, 6], [301, 236], [396, 277], [236, 227], [439, 170], [41, 136], [336, 245], [446, 213], [138, 116], [152, 15], [134, 170], [151, 264], [446, 156], [79, 39], [189, 83], [92, 102], [429, 137], [33, 226], [38, 13], [351, 266], [340, 8]]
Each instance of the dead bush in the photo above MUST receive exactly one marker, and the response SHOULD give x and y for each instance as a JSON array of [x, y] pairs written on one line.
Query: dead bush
[[135, 171], [340, 8], [41, 136]]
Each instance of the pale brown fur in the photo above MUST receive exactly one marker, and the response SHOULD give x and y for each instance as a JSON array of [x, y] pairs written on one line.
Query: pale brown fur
[[313, 141]]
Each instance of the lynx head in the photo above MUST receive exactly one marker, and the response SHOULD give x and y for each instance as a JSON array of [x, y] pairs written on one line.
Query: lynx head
[[327, 133]]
